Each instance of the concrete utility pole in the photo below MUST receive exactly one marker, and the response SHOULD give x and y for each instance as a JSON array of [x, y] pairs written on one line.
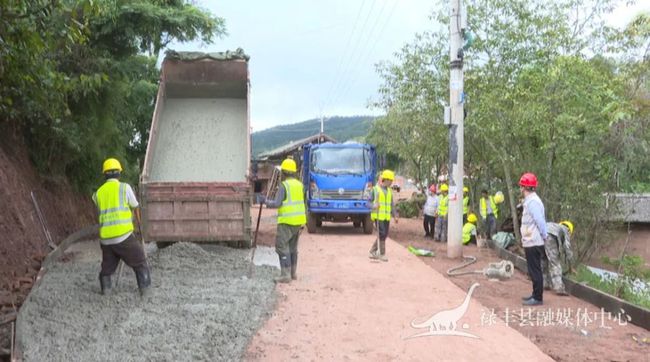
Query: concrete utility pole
[[456, 99]]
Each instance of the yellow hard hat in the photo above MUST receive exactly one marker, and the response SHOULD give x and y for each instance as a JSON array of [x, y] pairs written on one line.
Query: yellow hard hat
[[465, 189], [388, 175], [111, 164], [568, 224], [289, 165], [498, 197], [472, 218], [444, 187]]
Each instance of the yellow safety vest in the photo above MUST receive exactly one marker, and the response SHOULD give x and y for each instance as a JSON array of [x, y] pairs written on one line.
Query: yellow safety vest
[[467, 232], [385, 204], [465, 204], [115, 218], [292, 210], [495, 208], [444, 204]]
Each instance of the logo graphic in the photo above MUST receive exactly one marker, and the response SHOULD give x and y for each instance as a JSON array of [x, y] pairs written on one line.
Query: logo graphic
[[341, 191], [444, 323]]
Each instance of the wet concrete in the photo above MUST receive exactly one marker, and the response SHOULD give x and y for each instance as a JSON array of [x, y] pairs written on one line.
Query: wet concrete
[[201, 140], [202, 307]]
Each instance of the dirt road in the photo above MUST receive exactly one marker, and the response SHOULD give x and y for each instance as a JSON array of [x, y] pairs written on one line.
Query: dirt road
[[586, 338], [347, 307]]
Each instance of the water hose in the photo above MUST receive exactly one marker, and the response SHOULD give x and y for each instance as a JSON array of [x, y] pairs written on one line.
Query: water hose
[[501, 270]]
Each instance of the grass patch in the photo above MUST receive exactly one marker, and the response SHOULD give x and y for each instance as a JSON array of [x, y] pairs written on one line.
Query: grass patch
[[621, 287]]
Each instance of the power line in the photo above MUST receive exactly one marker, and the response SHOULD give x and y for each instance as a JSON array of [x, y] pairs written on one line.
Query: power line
[[347, 46], [341, 76], [355, 76]]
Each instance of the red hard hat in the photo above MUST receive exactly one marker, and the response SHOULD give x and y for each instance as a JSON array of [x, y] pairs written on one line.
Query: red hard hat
[[432, 188], [528, 180]]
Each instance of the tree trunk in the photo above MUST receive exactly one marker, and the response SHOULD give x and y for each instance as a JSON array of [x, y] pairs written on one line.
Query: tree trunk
[[511, 194]]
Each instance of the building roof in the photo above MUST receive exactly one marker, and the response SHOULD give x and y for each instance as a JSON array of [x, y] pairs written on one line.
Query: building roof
[[628, 207], [294, 145]]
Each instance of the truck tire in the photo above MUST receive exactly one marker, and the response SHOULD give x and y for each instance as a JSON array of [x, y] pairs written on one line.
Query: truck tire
[[367, 224], [311, 223]]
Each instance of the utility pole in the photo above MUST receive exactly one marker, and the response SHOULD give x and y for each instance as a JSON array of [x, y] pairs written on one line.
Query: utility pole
[[456, 99]]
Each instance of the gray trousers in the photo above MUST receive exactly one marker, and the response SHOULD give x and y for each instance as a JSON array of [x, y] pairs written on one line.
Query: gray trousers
[[441, 229], [286, 244], [380, 242], [551, 265], [490, 225]]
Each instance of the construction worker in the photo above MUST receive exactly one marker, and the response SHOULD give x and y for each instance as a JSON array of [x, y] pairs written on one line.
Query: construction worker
[[441, 220], [469, 229], [382, 210], [533, 236], [465, 203], [115, 200], [489, 211], [557, 243], [430, 209], [291, 219]]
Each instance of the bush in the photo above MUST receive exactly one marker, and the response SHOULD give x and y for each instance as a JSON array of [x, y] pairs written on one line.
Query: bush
[[411, 208]]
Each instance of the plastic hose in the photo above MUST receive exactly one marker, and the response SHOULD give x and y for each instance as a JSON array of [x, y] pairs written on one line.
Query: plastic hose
[[469, 260], [501, 270]]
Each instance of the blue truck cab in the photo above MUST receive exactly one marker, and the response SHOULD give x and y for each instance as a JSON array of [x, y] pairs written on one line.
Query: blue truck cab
[[338, 180]]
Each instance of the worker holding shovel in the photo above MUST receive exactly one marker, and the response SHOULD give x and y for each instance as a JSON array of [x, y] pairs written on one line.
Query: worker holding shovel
[[291, 218], [383, 209], [115, 200]]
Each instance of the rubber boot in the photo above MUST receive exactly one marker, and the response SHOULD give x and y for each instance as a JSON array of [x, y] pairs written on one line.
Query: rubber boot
[[285, 269], [294, 265], [143, 278], [285, 275], [105, 284], [561, 292]]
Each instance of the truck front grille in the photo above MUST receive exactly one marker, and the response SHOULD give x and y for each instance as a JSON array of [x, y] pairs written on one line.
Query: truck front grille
[[346, 195]]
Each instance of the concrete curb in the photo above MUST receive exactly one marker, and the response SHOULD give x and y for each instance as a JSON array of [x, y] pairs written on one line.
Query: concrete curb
[[85, 233], [639, 315]]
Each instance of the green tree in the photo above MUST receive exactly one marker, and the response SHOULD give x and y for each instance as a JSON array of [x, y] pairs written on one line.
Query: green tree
[[537, 99], [79, 78]]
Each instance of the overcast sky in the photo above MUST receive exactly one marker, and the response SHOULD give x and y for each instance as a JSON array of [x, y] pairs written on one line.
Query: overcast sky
[[314, 57]]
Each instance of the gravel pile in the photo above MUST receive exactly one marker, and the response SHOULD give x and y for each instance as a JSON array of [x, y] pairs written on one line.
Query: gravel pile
[[202, 307]]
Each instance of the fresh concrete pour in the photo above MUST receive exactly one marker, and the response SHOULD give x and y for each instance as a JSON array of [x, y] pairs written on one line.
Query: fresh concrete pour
[[201, 140], [202, 307]]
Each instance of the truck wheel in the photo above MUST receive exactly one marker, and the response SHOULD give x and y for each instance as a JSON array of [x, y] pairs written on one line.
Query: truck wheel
[[356, 224], [367, 225], [311, 223]]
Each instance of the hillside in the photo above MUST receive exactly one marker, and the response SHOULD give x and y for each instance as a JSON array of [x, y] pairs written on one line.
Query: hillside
[[340, 128]]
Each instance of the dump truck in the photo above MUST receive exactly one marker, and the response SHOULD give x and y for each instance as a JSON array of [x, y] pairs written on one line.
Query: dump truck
[[338, 180], [195, 182]]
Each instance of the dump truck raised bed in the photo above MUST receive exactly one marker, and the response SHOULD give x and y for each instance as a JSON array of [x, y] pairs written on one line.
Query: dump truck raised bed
[[195, 181]]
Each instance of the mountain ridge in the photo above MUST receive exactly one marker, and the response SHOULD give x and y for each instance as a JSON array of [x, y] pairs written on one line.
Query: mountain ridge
[[341, 128]]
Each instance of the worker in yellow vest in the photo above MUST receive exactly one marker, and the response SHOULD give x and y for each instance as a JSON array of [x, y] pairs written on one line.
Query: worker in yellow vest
[[383, 208], [465, 203], [291, 218], [489, 211], [469, 229], [441, 219], [115, 200]]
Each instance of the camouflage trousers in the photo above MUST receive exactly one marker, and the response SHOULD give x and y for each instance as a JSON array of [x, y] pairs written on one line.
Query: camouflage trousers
[[552, 265]]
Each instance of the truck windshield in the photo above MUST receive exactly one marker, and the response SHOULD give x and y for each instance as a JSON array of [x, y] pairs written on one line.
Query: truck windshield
[[341, 161]]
